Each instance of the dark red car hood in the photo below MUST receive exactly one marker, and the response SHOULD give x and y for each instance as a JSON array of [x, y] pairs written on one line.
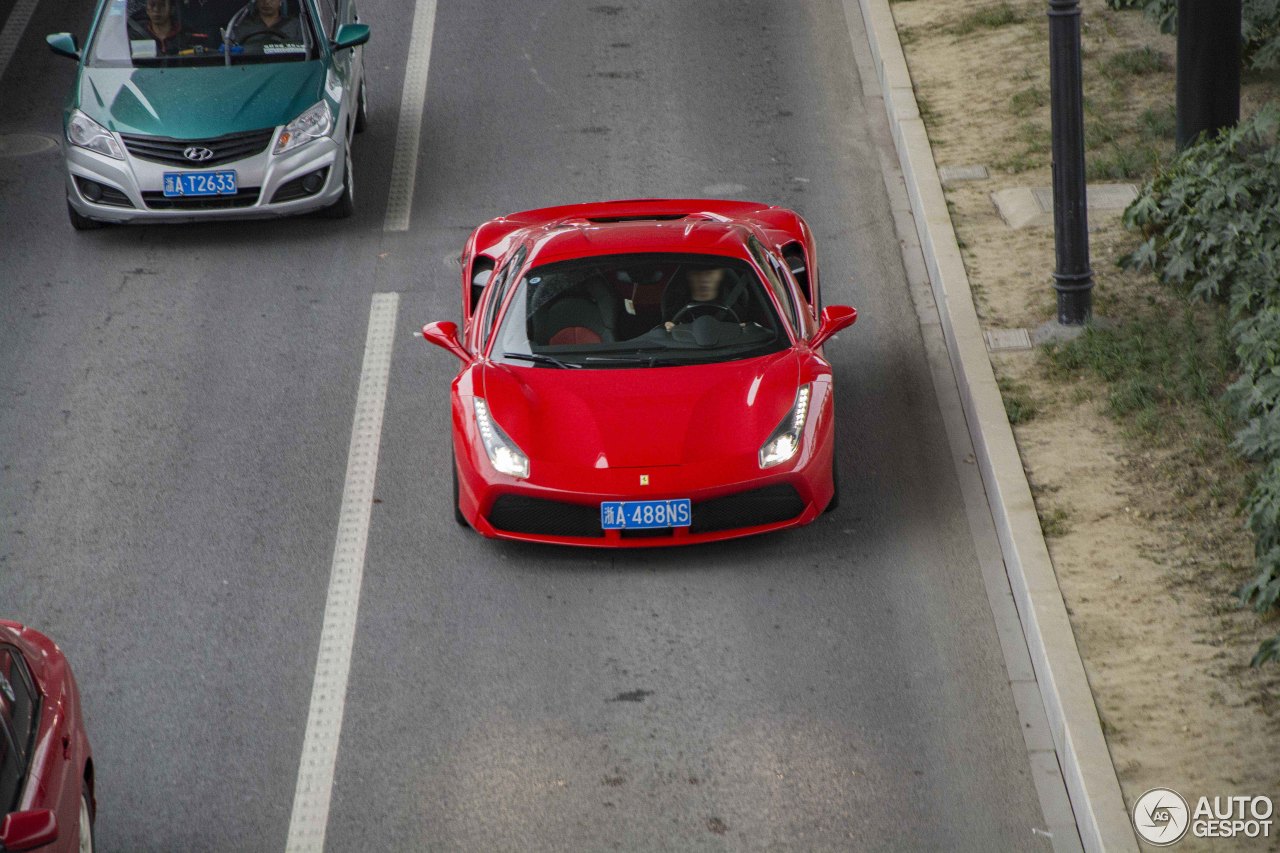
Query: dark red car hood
[[641, 417]]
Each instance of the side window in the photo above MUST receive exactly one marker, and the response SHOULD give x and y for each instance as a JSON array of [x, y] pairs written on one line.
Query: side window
[[17, 725], [779, 288], [793, 257], [806, 327], [10, 770], [328, 17], [501, 282]]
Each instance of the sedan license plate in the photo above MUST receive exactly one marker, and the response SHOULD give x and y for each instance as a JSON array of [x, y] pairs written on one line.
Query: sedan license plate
[[641, 515], [178, 184]]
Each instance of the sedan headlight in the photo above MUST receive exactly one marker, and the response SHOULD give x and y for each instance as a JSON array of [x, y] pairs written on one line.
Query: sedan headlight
[[313, 124], [503, 453], [84, 132], [785, 441]]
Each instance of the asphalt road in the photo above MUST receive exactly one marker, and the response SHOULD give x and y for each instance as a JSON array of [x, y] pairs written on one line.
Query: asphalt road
[[175, 411]]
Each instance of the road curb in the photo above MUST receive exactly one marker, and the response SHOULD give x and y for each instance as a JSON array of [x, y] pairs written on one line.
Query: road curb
[[1085, 760]]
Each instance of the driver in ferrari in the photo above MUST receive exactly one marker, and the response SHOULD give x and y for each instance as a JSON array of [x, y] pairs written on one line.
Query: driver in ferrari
[[702, 286]]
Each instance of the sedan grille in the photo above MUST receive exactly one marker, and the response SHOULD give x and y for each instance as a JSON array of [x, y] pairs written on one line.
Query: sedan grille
[[246, 197], [225, 149]]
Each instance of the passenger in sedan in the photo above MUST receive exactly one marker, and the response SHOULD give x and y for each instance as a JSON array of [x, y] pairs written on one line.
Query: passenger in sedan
[[268, 24], [159, 23]]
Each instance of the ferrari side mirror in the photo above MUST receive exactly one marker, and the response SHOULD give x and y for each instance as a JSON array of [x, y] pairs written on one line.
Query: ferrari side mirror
[[834, 318], [445, 335]]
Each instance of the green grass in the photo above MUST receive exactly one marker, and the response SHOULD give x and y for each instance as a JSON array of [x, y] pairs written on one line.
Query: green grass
[[1054, 522], [990, 18], [1099, 132], [927, 113], [1028, 101], [1036, 138], [1018, 403], [1023, 161], [1157, 367], [1122, 161], [1159, 124], [1138, 62]]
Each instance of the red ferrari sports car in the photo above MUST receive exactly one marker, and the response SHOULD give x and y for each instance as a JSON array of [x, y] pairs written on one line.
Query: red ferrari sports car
[[642, 373], [46, 767]]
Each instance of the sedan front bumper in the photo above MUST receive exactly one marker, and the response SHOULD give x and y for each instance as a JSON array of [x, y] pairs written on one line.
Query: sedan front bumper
[[132, 190]]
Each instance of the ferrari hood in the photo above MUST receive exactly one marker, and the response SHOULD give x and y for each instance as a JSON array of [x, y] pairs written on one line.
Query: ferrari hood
[[642, 417], [200, 102]]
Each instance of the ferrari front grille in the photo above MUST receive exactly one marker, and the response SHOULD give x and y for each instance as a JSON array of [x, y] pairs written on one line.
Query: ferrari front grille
[[541, 517], [747, 509], [520, 514]]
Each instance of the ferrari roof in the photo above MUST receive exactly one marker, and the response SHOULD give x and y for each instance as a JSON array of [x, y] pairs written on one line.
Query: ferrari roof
[[580, 237]]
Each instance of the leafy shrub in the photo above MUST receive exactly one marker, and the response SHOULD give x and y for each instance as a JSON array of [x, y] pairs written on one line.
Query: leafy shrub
[[1212, 223], [1260, 31]]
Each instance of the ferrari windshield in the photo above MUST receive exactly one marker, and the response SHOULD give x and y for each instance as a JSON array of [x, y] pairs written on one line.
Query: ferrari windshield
[[148, 33], [649, 310]]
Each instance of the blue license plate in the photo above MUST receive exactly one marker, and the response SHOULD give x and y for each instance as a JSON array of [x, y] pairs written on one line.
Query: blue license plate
[[199, 183], [641, 515]]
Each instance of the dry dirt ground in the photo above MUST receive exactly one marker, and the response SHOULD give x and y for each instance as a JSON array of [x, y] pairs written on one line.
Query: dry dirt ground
[[1146, 535]]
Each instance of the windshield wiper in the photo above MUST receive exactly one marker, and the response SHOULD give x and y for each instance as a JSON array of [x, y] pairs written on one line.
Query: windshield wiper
[[639, 358], [539, 359]]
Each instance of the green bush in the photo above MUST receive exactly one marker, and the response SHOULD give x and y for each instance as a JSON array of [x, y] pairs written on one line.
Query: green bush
[[1212, 223], [1261, 28]]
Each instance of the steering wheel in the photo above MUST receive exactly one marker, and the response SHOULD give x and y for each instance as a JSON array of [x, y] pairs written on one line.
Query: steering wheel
[[706, 306], [263, 36]]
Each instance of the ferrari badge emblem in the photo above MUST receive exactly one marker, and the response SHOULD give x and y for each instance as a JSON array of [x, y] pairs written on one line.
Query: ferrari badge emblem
[[644, 479]]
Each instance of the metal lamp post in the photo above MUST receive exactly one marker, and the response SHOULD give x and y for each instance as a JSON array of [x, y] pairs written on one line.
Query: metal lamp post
[[1072, 277], [1208, 88]]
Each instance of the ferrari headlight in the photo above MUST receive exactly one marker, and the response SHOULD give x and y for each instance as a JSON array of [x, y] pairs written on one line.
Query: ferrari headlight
[[785, 441], [313, 124], [84, 132], [503, 453]]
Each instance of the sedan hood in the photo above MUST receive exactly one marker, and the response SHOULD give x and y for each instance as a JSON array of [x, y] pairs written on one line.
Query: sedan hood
[[200, 102], [642, 417]]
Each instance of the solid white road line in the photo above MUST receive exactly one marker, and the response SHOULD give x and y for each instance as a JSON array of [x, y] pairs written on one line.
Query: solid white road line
[[404, 166], [310, 814], [14, 27]]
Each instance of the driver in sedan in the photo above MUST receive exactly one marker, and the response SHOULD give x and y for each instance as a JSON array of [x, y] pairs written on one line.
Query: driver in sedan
[[268, 23], [701, 286]]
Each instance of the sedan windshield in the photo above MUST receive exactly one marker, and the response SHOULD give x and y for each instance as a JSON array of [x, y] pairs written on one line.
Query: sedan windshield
[[650, 310], [147, 33]]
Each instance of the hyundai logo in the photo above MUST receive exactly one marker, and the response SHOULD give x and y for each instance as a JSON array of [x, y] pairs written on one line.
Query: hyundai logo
[[197, 154]]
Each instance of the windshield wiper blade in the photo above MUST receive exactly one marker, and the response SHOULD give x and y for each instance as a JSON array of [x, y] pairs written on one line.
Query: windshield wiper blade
[[539, 359], [639, 358]]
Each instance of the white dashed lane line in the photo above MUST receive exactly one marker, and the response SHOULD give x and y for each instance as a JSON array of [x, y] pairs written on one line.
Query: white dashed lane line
[[404, 166], [310, 815], [14, 27]]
